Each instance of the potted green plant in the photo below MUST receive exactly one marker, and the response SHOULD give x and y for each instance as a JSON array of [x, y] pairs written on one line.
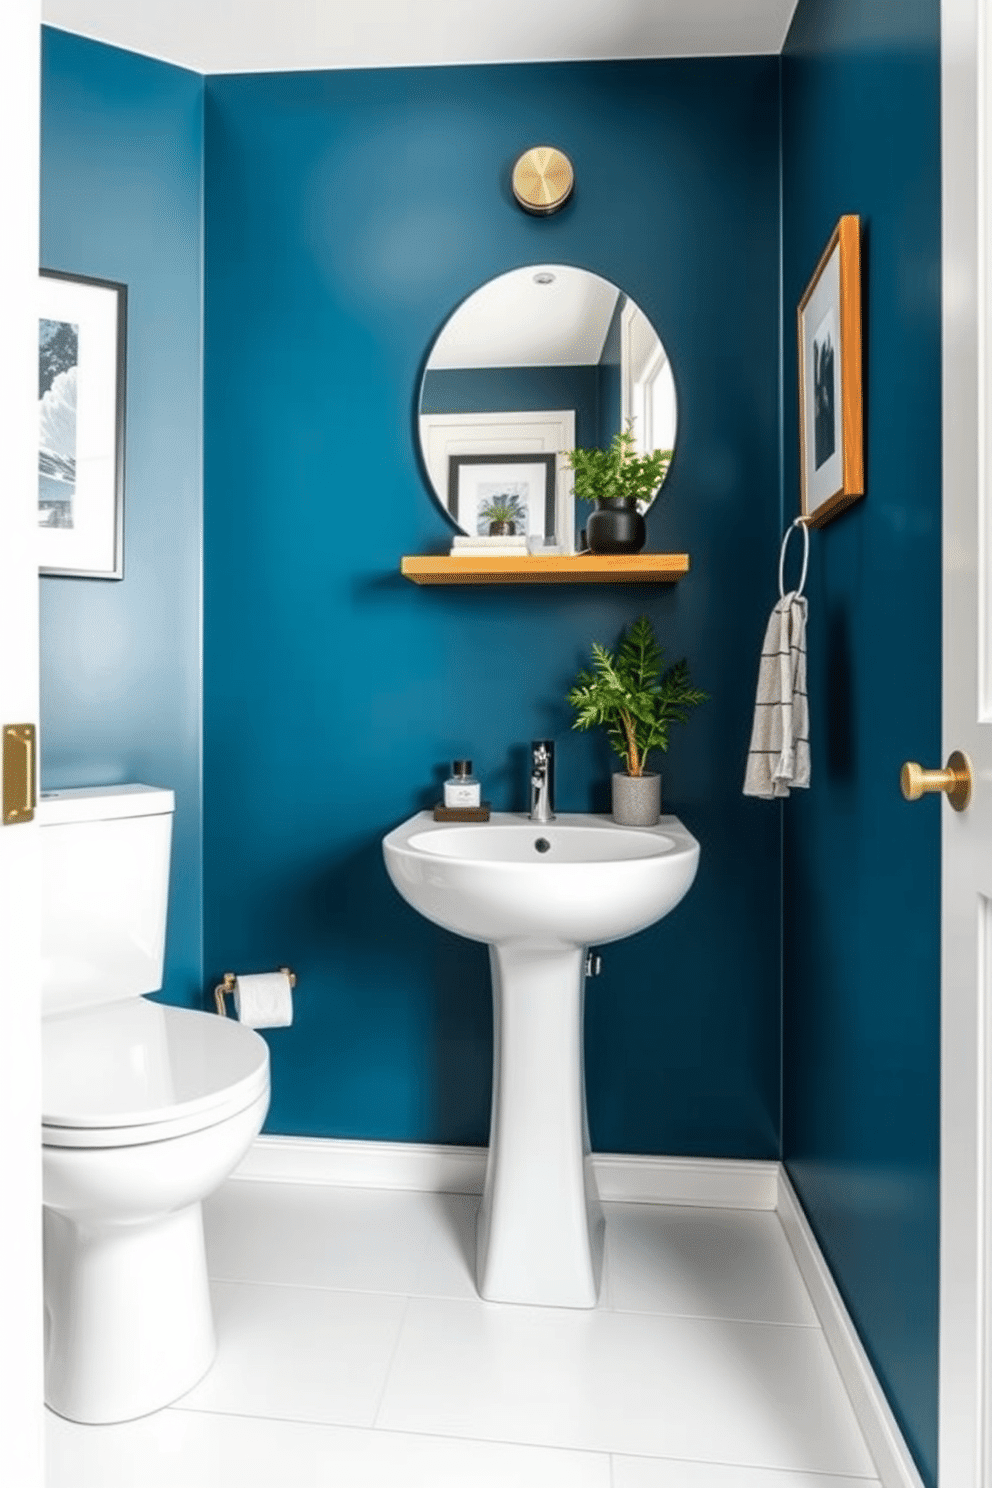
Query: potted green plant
[[636, 701], [502, 512], [622, 485]]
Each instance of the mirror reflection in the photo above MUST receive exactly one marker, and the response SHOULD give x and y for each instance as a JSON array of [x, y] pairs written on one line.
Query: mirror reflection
[[534, 363]]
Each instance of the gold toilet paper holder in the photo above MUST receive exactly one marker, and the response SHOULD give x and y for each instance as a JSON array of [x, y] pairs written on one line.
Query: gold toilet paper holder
[[227, 986]]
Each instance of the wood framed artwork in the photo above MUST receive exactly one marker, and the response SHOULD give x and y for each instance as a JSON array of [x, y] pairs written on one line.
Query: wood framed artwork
[[82, 331], [831, 452]]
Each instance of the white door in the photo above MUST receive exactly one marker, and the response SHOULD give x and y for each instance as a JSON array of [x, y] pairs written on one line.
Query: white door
[[965, 1455], [20, 1245]]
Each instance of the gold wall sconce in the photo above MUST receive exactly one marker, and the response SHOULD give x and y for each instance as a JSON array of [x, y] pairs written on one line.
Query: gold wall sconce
[[542, 180]]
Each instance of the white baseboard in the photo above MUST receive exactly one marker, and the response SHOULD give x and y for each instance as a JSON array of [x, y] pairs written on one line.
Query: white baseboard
[[705, 1181], [893, 1462], [631, 1179], [343, 1164]]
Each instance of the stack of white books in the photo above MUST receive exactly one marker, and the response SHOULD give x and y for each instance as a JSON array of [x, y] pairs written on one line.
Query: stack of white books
[[490, 547]]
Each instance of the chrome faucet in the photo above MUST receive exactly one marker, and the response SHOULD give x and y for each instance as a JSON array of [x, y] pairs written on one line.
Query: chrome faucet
[[542, 780]]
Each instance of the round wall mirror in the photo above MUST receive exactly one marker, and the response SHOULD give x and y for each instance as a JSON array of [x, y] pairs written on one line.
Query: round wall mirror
[[536, 362]]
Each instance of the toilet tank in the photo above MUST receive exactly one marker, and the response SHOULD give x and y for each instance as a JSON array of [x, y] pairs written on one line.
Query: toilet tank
[[104, 893]]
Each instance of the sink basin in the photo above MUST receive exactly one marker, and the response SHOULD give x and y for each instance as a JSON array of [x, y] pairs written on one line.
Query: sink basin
[[578, 880], [540, 894]]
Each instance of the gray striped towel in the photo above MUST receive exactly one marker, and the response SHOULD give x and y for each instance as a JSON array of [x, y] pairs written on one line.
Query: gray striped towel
[[778, 758]]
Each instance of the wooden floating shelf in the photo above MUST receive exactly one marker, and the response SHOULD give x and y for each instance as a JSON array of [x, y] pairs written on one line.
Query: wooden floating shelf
[[591, 568]]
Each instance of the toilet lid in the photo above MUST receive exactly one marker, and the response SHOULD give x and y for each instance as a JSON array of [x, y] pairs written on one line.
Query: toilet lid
[[144, 1068]]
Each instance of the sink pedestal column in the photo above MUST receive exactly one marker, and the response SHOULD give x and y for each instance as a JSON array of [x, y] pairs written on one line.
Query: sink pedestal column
[[540, 1228]]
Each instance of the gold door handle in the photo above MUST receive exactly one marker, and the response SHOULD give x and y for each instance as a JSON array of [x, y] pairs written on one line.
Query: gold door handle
[[18, 773], [955, 780]]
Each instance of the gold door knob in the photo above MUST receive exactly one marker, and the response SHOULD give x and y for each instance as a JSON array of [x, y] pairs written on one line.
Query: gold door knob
[[955, 780]]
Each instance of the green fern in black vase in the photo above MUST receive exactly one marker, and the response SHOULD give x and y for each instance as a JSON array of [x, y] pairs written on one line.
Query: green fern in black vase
[[617, 473]]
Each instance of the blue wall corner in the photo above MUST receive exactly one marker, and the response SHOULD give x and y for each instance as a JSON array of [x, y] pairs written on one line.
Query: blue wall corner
[[121, 178], [861, 1048]]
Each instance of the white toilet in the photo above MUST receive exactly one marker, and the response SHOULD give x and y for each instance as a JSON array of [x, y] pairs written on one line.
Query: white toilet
[[146, 1109]]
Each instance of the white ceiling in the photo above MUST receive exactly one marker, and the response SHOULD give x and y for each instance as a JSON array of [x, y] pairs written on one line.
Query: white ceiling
[[212, 36], [515, 321]]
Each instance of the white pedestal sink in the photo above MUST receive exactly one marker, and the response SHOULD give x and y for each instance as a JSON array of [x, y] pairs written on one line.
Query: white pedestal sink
[[539, 894]]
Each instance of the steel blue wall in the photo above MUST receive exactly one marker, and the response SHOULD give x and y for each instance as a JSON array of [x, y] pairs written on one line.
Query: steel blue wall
[[861, 117], [610, 396], [507, 389], [335, 692], [121, 166]]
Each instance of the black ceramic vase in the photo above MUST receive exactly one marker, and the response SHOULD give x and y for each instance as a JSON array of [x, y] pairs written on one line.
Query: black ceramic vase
[[616, 526]]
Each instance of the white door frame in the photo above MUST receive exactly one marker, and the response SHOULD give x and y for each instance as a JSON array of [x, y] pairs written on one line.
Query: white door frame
[[20, 1054], [965, 1454]]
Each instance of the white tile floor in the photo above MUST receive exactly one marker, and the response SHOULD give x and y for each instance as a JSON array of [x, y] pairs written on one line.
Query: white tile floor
[[354, 1351]]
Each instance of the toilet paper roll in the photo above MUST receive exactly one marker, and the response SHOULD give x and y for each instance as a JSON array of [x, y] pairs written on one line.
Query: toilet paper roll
[[264, 1001]]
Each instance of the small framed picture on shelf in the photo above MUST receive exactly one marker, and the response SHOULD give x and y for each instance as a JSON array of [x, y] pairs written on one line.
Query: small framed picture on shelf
[[503, 495], [830, 410], [82, 336]]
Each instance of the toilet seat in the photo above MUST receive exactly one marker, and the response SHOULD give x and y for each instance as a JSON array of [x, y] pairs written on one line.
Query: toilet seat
[[128, 1072]]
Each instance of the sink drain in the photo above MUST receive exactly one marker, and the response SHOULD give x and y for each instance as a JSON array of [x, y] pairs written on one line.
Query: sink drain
[[542, 844]]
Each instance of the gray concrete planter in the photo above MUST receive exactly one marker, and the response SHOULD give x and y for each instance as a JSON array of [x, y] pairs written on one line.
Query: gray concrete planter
[[637, 799]]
